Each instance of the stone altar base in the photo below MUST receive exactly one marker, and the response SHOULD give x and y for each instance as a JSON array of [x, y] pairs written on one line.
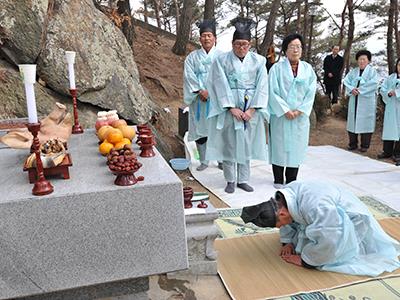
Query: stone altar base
[[88, 232]]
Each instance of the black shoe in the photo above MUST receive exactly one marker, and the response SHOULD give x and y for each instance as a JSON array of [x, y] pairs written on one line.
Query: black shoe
[[383, 155], [351, 148], [363, 149], [245, 187]]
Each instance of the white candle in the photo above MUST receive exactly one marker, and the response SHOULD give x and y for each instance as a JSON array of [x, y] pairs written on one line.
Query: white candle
[[70, 57], [29, 75]]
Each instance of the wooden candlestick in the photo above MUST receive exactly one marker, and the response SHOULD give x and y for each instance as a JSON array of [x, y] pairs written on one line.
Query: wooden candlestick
[[77, 128], [41, 186]]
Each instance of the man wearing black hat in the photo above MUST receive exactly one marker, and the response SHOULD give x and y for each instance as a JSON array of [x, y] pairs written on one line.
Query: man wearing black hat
[[238, 85], [326, 227], [197, 66]]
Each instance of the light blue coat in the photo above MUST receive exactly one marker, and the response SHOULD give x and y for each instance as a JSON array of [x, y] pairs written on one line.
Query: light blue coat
[[197, 66], [288, 140], [391, 122], [334, 231], [228, 83], [362, 120]]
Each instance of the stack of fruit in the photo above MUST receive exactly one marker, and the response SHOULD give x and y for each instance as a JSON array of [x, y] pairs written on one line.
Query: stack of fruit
[[115, 135], [123, 160]]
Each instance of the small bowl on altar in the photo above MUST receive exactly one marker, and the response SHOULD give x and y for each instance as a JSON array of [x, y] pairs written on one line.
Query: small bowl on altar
[[179, 164]]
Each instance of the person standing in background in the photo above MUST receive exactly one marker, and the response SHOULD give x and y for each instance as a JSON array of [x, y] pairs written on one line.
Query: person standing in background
[[333, 65], [238, 85], [195, 92], [292, 86], [361, 84], [390, 91]]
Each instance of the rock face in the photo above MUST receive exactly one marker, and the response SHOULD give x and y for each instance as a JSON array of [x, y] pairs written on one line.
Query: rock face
[[106, 75]]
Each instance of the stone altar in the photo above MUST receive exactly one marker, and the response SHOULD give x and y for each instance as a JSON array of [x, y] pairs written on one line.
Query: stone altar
[[88, 231]]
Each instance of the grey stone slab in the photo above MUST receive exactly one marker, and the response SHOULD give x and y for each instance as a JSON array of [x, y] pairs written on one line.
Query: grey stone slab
[[90, 231]]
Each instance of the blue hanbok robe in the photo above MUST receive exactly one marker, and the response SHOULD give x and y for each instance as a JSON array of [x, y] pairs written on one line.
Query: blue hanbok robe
[[391, 121], [334, 231], [362, 120], [197, 66], [288, 140], [229, 81]]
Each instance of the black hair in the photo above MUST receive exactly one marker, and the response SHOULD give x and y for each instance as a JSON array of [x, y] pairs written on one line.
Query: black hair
[[364, 52], [280, 199], [289, 38], [395, 66]]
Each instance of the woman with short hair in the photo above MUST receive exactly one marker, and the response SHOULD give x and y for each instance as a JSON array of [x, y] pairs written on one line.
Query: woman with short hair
[[361, 84]]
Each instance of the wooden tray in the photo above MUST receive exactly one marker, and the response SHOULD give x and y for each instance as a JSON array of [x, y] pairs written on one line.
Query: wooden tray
[[61, 169]]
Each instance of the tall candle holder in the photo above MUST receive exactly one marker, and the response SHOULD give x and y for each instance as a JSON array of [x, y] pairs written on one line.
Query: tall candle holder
[[77, 128], [41, 186]]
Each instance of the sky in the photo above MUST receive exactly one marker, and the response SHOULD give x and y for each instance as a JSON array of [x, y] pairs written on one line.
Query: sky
[[333, 6]]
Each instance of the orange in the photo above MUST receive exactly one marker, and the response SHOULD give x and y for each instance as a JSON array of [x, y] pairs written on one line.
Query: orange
[[122, 143], [102, 133], [105, 147], [127, 132], [114, 136]]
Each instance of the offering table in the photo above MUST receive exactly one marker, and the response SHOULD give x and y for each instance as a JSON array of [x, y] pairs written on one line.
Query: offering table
[[88, 232]]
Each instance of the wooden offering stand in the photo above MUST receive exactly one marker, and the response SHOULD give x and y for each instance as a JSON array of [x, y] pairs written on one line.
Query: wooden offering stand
[[202, 204], [76, 128], [61, 169], [187, 197], [125, 178], [146, 145]]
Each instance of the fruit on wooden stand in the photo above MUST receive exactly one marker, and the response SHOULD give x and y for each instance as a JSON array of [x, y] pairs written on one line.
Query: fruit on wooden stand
[[118, 123], [100, 123], [123, 160], [128, 132], [102, 132], [105, 147], [122, 143], [114, 136]]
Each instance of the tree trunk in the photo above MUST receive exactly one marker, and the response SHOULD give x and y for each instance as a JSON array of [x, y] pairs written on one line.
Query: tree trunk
[[350, 36], [305, 24], [298, 21], [209, 9], [157, 12], [146, 12], [396, 28], [389, 37], [269, 29], [241, 8], [182, 37], [124, 10], [309, 44], [343, 17], [176, 3]]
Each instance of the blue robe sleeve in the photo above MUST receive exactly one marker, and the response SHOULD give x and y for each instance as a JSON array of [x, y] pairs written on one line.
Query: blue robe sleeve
[[219, 90], [348, 82], [385, 89], [190, 81], [308, 100], [288, 233], [260, 98], [324, 234], [277, 104]]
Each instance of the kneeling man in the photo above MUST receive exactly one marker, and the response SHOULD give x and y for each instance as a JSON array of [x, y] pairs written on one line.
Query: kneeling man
[[326, 227]]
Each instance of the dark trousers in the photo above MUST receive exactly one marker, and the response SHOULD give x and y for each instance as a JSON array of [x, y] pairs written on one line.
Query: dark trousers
[[202, 140], [365, 140], [290, 174], [392, 148], [332, 90]]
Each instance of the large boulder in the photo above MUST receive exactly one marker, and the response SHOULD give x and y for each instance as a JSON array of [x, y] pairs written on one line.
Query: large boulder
[[106, 75]]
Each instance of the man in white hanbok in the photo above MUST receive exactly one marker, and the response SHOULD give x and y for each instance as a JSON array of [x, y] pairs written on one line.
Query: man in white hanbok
[[326, 227], [238, 85], [195, 92]]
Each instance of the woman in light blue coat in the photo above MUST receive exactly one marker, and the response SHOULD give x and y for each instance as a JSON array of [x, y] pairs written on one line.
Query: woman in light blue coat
[[390, 91], [292, 86], [361, 84], [238, 85], [195, 94], [327, 227]]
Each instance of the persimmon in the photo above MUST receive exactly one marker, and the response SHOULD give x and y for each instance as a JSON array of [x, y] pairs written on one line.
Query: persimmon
[[105, 147], [114, 136]]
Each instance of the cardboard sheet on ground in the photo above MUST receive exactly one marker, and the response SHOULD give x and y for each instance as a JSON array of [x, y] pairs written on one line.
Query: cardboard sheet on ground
[[251, 268], [362, 175]]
